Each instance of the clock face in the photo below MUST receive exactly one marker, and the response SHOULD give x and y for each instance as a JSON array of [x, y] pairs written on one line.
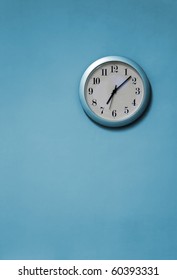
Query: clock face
[[114, 91]]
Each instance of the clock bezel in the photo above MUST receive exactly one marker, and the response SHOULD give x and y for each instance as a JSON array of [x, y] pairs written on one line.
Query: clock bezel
[[132, 117]]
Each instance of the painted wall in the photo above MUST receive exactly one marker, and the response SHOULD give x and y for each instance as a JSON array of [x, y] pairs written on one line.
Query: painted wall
[[70, 189]]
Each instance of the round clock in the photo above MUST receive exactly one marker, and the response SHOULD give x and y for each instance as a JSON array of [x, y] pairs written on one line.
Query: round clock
[[114, 91]]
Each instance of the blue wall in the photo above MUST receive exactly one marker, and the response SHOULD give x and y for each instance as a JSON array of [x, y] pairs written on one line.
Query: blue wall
[[70, 189]]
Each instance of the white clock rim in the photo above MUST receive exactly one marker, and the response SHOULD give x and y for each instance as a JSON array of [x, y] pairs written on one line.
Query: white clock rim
[[136, 114]]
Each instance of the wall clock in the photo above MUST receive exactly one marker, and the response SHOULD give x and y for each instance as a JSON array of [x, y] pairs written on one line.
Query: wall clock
[[114, 91]]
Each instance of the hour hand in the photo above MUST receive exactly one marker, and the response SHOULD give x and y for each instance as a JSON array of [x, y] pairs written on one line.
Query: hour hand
[[112, 94]]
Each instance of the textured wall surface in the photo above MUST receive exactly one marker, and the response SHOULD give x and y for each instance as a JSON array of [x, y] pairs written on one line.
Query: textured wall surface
[[70, 189]]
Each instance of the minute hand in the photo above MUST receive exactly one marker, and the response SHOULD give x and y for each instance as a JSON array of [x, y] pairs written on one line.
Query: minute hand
[[114, 91]]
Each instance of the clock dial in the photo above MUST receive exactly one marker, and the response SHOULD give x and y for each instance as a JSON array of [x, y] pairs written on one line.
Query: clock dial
[[115, 91]]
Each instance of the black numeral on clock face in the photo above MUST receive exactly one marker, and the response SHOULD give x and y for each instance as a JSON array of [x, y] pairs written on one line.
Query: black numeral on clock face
[[94, 102], [137, 91], [126, 110], [96, 81], [104, 72], [90, 91], [114, 68], [134, 102], [134, 81], [102, 110], [114, 113]]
